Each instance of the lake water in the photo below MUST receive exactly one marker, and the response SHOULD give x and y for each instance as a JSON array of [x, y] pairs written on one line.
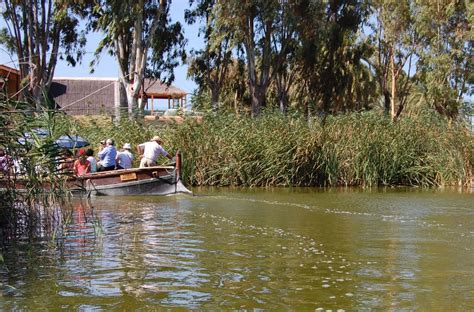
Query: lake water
[[251, 249]]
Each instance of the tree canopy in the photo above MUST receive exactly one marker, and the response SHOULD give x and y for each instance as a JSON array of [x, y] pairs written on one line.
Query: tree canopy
[[39, 32], [330, 57], [310, 56]]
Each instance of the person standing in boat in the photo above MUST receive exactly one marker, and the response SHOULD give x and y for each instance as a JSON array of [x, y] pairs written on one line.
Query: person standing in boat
[[150, 151], [124, 157], [107, 156], [81, 165]]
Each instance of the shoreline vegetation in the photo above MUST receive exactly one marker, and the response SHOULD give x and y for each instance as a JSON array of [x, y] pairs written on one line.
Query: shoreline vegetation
[[357, 149], [30, 213]]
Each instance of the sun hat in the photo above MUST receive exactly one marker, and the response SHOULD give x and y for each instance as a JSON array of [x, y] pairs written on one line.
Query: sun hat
[[110, 142], [157, 139], [127, 146]]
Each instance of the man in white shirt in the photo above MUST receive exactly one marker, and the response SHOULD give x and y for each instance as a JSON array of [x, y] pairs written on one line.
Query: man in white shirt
[[151, 151], [124, 157]]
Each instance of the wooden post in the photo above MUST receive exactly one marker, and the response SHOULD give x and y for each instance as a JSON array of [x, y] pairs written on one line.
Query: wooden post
[[152, 103], [178, 165]]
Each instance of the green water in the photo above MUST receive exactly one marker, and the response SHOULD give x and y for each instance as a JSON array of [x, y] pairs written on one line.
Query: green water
[[275, 249]]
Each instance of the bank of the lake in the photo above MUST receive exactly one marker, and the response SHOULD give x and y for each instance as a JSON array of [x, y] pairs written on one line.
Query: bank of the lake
[[243, 249], [357, 149]]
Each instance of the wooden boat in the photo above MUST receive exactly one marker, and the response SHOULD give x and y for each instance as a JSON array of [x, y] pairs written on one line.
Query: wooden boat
[[158, 180]]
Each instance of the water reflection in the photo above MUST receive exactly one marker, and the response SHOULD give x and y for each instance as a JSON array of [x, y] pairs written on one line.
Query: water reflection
[[81, 231], [303, 249]]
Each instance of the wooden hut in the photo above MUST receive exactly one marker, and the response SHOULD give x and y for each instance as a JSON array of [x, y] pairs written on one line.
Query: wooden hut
[[85, 96], [155, 89], [93, 96], [9, 82]]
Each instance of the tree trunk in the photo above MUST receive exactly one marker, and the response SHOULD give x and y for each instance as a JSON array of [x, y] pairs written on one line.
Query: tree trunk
[[386, 102], [215, 98], [282, 85], [119, 100], [394, 88], [132, 100], [283, 101], [236, 103], [257, 93], [283, 104]]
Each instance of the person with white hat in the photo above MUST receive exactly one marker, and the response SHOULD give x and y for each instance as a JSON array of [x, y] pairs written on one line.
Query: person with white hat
[[124, 157], [151, 151]]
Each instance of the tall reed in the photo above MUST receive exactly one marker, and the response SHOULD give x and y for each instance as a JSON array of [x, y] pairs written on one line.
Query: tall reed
[[26, 213], [355, 149], [363, 149]]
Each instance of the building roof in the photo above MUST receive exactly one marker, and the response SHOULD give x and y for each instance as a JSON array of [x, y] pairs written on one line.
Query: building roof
[[87, 78], [157, 89], [153, 87], [9, 69], [83, 96], [9, 81]]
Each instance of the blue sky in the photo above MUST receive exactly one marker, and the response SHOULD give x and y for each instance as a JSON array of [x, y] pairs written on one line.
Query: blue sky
[[108, 65]]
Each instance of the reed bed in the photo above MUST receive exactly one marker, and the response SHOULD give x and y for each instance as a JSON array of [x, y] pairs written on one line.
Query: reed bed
[[28, 214], [357, 149], [362, 149]]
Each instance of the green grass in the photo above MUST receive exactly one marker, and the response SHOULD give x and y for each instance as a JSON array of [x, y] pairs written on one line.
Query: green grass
[[356, 149]]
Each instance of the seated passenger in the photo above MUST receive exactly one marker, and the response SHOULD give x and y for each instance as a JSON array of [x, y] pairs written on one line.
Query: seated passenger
[[124, 157], [66, 161], [81, 165], [107, 156], [92, 160]]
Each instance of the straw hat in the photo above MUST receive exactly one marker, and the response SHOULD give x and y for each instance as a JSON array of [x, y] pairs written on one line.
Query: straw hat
[[127, 146], [157, 139]]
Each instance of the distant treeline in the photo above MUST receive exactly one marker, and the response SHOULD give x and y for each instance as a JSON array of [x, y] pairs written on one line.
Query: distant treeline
[[331, 57], [316, 57]]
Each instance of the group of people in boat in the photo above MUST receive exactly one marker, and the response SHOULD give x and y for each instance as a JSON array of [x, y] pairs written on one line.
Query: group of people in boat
[[108, 158]]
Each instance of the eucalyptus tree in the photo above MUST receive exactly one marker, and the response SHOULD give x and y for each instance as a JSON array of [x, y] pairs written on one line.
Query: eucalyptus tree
[[284, 45], [327, 33], [143, 39], [209, 65], [39, 32], [252, 24], [396, 40], [234, 90], [445, 55]]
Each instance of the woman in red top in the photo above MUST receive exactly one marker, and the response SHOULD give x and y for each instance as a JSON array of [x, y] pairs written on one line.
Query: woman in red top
[[82, 165]]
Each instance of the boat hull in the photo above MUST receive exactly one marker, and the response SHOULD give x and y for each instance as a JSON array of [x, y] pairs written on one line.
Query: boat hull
[[159, 180]]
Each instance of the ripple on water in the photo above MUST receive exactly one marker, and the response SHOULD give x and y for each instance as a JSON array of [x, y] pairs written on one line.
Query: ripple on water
[[156, 253]]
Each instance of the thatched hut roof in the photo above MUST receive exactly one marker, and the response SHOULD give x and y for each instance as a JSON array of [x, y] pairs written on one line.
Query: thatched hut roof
[[159, 90]]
